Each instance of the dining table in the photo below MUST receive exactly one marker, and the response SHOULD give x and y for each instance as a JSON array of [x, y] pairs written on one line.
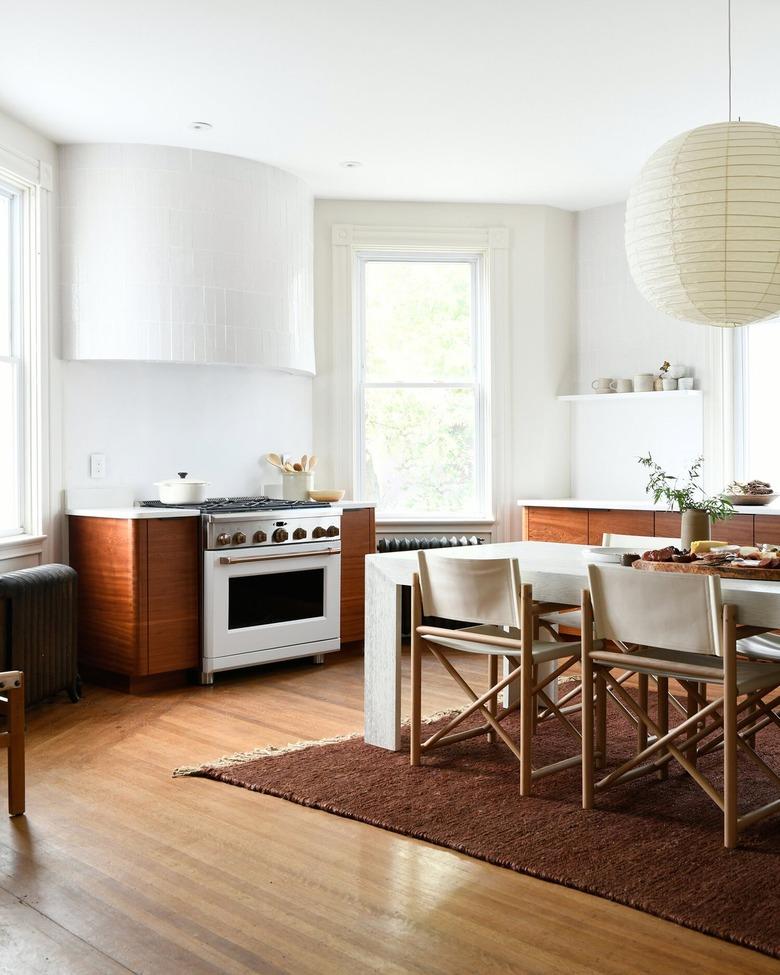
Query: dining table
[[558, 574]]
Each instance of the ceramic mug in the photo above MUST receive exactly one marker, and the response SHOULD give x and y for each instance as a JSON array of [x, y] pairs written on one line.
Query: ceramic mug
[[604, 385], [624, 386], [686, 382], [669, 384], [643, 382]]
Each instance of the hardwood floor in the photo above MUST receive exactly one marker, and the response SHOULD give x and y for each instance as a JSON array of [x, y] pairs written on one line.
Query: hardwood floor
[[118, 867]]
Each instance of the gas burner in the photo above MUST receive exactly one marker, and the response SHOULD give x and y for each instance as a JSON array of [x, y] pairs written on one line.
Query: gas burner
[[239, 505]]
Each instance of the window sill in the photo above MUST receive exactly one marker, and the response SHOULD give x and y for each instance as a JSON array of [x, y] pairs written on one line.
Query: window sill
[[14, 546]]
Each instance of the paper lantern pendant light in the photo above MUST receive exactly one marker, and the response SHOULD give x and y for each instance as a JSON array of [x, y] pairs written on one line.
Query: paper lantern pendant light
[[703, 225]]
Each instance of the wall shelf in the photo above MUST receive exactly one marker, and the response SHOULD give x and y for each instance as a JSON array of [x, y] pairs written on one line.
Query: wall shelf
[[609, 397]]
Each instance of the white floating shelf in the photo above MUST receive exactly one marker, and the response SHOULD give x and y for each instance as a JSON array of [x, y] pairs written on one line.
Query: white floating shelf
[[609, 397]]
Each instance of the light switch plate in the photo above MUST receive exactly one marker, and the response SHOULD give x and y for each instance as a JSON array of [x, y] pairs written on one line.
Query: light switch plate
[[97, 465]]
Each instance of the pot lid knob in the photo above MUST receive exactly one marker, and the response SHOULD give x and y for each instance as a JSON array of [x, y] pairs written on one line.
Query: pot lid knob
[[182, 475]]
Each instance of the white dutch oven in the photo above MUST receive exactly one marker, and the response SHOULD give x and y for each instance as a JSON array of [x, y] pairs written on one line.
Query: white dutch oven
[[182, 490]]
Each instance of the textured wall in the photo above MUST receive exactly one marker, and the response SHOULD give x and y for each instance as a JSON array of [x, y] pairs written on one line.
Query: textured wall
[[177, 255]]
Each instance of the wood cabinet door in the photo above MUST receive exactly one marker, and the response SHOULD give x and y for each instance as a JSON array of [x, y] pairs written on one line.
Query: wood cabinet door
[[766, 530], [358, 539], [172, 594], [618, 522], [668, 525], [736, 531], [109, 555], [556, 525]]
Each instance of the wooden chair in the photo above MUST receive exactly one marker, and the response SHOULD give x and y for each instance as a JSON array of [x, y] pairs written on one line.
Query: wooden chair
[[489, 594], [678, 630], [12, 706]]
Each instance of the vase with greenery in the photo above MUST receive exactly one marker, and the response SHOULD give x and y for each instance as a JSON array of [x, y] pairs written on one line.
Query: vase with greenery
[[698, 509]]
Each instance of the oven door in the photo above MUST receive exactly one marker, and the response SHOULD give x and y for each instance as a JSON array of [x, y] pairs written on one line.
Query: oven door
[[259, 599]]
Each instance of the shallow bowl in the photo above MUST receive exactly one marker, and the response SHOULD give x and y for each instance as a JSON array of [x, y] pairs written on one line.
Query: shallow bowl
[[332, 495]]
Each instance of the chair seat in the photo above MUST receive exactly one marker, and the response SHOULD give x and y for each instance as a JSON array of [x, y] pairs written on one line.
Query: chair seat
[[763, 647], [573, 618], [751, 675], [543, 650]]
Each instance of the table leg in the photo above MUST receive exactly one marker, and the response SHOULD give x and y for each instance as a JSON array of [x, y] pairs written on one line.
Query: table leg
[[382, 661]]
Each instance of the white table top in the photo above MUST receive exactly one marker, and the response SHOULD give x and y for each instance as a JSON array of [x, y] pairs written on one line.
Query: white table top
[[558, 573]]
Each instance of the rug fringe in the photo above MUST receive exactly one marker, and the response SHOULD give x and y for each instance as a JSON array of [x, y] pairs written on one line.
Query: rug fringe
[[239, 758]]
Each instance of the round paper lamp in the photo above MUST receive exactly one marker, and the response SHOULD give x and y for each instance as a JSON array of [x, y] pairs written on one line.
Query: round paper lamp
[[703, 225]]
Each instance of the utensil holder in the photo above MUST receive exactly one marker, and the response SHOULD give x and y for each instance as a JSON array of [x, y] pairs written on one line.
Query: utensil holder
[[296, 485]]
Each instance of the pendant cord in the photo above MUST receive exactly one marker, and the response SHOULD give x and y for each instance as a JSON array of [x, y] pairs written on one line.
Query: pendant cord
[[729, 34]]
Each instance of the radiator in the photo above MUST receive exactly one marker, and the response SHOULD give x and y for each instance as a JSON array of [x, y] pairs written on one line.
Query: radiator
[[38, 629], [411, 543]]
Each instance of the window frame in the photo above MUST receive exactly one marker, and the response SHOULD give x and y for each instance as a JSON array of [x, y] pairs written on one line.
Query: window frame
[[479, 383]]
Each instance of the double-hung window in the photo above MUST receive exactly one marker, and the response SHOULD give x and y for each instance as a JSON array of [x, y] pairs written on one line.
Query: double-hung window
[[422, 439], [756, 387], [12, 377]]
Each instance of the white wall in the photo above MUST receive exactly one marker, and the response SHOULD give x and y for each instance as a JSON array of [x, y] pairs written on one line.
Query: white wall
[[541, 340], [620, 334], [153, 420]]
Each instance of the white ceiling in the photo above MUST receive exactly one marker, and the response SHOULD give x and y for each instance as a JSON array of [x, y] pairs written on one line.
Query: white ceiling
[[530, 101]]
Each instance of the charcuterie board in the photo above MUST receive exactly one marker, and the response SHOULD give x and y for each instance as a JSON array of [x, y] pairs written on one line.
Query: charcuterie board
[[754, 573]]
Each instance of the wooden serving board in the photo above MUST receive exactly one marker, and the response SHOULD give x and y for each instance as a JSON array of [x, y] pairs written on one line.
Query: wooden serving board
[[699, 568]]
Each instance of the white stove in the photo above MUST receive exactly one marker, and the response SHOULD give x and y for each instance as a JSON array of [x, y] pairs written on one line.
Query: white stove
[[271, 581]]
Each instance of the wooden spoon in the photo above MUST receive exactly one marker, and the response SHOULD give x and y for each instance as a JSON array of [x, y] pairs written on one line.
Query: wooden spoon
[[304, 462], [275, 460], [298, 468], [289, 468], [312, 462]]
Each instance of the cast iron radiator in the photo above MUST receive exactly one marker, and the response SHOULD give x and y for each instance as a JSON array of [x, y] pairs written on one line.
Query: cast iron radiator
[[410, 543], [38, 629]]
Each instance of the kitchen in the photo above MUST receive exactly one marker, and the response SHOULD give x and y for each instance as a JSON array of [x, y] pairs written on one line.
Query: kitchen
[[278, 344]]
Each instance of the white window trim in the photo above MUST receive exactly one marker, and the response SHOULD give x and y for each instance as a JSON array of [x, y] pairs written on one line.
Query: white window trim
[[490, 245], [33, 180]]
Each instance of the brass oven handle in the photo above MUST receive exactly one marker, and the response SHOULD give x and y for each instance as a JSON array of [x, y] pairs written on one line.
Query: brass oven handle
[[227, 560]]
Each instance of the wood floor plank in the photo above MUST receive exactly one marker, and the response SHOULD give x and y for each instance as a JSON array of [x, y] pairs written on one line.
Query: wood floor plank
[[121, 866]]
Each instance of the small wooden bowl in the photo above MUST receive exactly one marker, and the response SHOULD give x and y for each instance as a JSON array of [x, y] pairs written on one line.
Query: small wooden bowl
[[326, 495]]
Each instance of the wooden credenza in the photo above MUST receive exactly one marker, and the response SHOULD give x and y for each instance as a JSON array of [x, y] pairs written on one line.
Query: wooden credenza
[[585, 526], [358, 539], [139, 599]]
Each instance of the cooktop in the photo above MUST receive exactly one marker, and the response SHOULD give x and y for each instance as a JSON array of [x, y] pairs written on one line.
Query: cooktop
[[240, 504]]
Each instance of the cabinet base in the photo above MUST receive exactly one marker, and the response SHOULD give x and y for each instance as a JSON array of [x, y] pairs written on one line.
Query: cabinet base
[[135, 684]]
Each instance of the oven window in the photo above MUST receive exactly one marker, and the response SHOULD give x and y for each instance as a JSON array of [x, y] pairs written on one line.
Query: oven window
[[275, 597]]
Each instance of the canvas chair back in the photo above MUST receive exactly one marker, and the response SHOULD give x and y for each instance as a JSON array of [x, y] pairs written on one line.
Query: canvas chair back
[[472, 590], [656, 609]]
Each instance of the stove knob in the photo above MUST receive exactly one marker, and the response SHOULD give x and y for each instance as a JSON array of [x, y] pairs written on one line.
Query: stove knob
[[223, 539], [318, 532], [260, 537], [299, 533], [280, 535], [239, 538], [333, 531]]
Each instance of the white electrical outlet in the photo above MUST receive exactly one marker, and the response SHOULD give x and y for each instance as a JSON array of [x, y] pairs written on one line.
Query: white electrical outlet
[[97, 465]]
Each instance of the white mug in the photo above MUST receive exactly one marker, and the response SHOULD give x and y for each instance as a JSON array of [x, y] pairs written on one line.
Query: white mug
[[669, 384], [685, 382], [624, 386], [604, 385], [643, 382]]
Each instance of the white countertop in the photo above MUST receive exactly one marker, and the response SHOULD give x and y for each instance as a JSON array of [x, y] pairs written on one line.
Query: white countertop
[[349, 505], [644, 505], [134, 512]]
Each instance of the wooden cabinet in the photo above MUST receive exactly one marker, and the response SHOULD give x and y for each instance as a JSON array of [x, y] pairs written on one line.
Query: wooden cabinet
[[139, 598], [358, 539], [615, 521], [766, 530], [668, 524], [556, 525], [737, 530]]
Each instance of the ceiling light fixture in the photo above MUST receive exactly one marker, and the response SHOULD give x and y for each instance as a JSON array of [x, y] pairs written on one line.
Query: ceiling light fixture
[[199, 126], [351, 164], [703, 223]]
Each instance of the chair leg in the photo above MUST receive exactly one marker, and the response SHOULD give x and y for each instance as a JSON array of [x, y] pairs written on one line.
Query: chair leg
[[730, 824], [601, 720], [415, 719], [16, 749], [663, 718], [692, 706], [641, 730], [493, 703], [527, 700], [586, 665]]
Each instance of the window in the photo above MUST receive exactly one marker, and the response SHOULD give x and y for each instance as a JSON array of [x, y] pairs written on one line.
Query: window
[[757, 355], [11, 366], [422, 407]]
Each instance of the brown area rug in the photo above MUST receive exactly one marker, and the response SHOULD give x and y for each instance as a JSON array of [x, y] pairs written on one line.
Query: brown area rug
[[651, 845]]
